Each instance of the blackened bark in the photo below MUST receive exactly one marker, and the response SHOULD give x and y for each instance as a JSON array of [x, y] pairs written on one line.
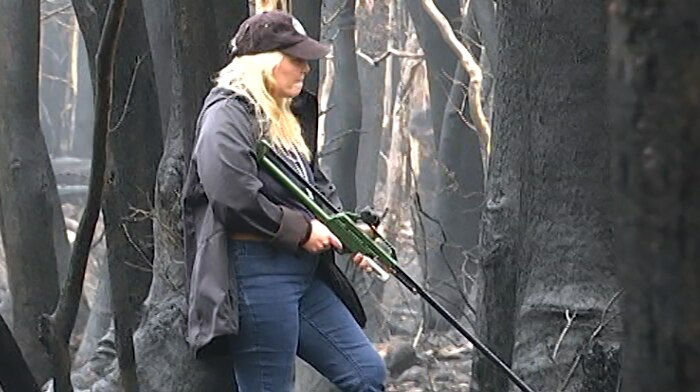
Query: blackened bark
[[225, 29], [655, 90], [550, 96], [500, 235], [14, 371], [26, 180], [373, 41], [193, 64], [440, 59], [159, 26], [373, 37], [566, 266], [160, 33], [135, 147], [343, 122]]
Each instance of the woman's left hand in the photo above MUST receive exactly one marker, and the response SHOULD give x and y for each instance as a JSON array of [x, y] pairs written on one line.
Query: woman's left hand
[[362, 261]]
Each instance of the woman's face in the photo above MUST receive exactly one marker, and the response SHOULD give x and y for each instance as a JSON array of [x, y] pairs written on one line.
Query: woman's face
[[289, 77]]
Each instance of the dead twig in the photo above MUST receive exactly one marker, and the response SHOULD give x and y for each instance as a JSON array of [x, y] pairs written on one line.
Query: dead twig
[[569, 321], [596, 332], [335, 14], [55, 12], [375, 61], [129, 93]]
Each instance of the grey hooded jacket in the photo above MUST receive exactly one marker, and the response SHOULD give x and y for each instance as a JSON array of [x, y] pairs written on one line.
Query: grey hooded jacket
[[223, 193]]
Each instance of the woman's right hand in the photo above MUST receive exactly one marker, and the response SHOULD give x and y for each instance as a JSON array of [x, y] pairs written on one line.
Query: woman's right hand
[[321, 239]]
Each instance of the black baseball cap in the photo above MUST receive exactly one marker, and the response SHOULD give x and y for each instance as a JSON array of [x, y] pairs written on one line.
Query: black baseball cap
[[276, 31]]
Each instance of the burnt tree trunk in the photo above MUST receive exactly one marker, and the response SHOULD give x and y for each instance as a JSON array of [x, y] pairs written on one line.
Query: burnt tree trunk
[[56, 328], [14, 371], [344, 120], [26, 182], [562, 290], [158, 16], [373, 40], [655, 96], [500, 236], [134, 148]]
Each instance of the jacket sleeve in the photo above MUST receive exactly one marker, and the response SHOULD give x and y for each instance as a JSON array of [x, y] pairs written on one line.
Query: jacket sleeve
[[227, 168]]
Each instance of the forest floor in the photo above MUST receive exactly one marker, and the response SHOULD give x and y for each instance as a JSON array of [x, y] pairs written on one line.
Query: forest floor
[[419, 360]]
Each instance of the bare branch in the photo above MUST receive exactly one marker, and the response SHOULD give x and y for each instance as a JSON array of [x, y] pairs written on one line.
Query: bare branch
[[569, 321], [467, 61], [603, 322], [139, 60], [55, 12], [138, 249], [391, 51], [335, 14]]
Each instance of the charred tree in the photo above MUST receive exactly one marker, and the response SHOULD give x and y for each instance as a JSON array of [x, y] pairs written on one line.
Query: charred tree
[[560, 297], [373, 43], [343, 122], [26, 181], [14, 371], [655, 90], [56, 328], [159, 18], [500, 237], [134, 148]]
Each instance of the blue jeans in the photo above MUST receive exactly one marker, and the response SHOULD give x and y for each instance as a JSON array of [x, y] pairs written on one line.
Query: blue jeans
[[286, 310]]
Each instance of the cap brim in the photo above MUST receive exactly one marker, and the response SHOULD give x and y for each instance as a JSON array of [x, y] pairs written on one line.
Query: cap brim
[[308, 49]]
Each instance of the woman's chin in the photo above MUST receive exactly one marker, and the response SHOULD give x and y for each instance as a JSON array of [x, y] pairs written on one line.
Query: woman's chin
[[290, 92], [297, 88]]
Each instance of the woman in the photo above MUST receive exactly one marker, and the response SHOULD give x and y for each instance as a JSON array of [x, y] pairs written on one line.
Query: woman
[[260, 280]]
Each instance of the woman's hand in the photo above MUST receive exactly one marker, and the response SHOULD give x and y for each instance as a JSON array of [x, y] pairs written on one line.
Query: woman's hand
[[321, 239], [362, 261]]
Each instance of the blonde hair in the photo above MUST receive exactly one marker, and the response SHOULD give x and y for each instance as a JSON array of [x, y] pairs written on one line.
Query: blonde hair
[[268, 5], [251, 77]]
